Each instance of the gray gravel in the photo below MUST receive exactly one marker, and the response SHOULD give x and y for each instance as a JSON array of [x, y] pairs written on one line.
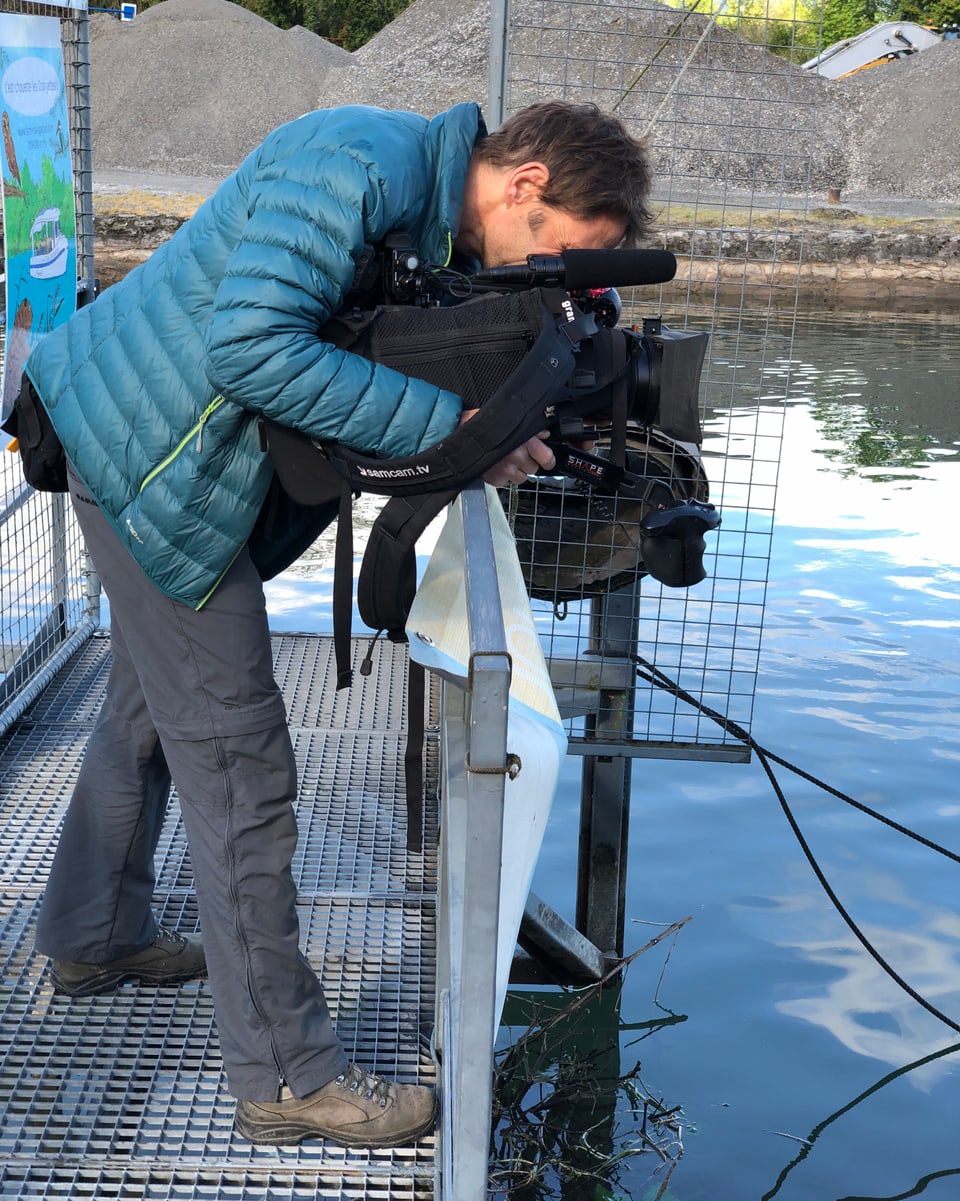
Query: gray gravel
[[902, 122], [191, 86]]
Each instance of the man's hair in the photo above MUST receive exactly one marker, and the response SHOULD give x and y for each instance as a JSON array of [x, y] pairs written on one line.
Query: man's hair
[[597, 167]]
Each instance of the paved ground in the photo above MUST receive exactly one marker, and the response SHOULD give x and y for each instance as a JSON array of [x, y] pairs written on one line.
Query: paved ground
[[118, 183]]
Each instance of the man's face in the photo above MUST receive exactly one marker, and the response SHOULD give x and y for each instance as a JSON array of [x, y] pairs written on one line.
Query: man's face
[[549, 231], [505, 220]]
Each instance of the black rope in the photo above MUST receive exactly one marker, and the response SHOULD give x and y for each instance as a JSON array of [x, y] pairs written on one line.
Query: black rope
[[653, 675]]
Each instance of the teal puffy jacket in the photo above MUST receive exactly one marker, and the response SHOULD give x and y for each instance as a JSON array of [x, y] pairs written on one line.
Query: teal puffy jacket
[[156, 388]]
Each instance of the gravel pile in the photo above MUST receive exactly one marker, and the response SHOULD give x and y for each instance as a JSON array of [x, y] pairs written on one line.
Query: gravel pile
[[191, 86], [902, 123], [717, 106]]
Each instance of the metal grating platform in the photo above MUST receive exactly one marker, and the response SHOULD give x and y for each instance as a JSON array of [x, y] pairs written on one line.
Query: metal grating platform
[[123, 1095]]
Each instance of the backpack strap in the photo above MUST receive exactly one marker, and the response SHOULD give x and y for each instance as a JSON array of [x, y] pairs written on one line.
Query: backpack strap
[[385, 592], [388, 572], [343, 589], [413, 754]]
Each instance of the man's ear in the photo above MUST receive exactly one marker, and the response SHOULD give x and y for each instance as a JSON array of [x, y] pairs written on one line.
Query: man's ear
[[527, 182]]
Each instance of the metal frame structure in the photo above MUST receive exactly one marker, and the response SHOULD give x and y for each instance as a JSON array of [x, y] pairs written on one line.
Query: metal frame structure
[[473, 772], [721, 210]]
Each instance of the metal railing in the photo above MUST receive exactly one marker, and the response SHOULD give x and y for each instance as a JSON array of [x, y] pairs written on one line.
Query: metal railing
[[49, 602], [473, 767]]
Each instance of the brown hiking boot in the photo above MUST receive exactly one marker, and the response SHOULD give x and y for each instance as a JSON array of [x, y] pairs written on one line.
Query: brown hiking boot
[[170, 959], [357, 1109]]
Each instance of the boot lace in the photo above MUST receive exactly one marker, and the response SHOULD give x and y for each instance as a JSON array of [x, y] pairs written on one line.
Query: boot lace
[[165, 934], [365, 1084]]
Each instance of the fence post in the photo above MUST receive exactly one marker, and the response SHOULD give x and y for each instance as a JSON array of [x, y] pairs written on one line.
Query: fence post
[[474, 760]]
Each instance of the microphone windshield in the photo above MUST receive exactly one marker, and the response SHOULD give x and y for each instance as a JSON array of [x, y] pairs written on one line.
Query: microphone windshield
[[585, 269], [616, 268]]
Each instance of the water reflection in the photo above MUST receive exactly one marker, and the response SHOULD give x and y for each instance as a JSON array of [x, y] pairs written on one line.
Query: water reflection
[[572, 1118], [859, 684], [886, 416], [815, 1133], [858, 1003]]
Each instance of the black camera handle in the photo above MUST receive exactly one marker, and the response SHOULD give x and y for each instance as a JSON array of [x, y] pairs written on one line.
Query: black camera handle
[[598, 472]]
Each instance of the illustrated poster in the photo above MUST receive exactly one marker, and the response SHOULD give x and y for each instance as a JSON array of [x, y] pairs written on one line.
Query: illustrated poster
[[39, 211]]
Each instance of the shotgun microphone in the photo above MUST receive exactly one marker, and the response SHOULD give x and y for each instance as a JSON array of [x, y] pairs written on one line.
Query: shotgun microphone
[[585, 269]]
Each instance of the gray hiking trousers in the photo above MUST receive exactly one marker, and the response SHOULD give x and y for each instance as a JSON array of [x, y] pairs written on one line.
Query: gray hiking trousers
[[191, 696]]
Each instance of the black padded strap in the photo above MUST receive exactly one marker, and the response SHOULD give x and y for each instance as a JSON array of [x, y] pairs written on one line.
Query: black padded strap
[[343, 589], [388, 572], [515, 412]]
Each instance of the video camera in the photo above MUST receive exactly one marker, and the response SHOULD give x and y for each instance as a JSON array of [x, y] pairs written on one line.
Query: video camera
[[658, 367], [631, 378], [528, 347]]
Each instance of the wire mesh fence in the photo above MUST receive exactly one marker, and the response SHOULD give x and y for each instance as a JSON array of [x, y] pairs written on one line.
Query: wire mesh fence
[[733, 124], [48, 599]]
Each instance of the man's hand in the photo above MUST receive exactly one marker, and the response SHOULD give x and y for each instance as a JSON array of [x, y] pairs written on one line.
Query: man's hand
[[518, 464]]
